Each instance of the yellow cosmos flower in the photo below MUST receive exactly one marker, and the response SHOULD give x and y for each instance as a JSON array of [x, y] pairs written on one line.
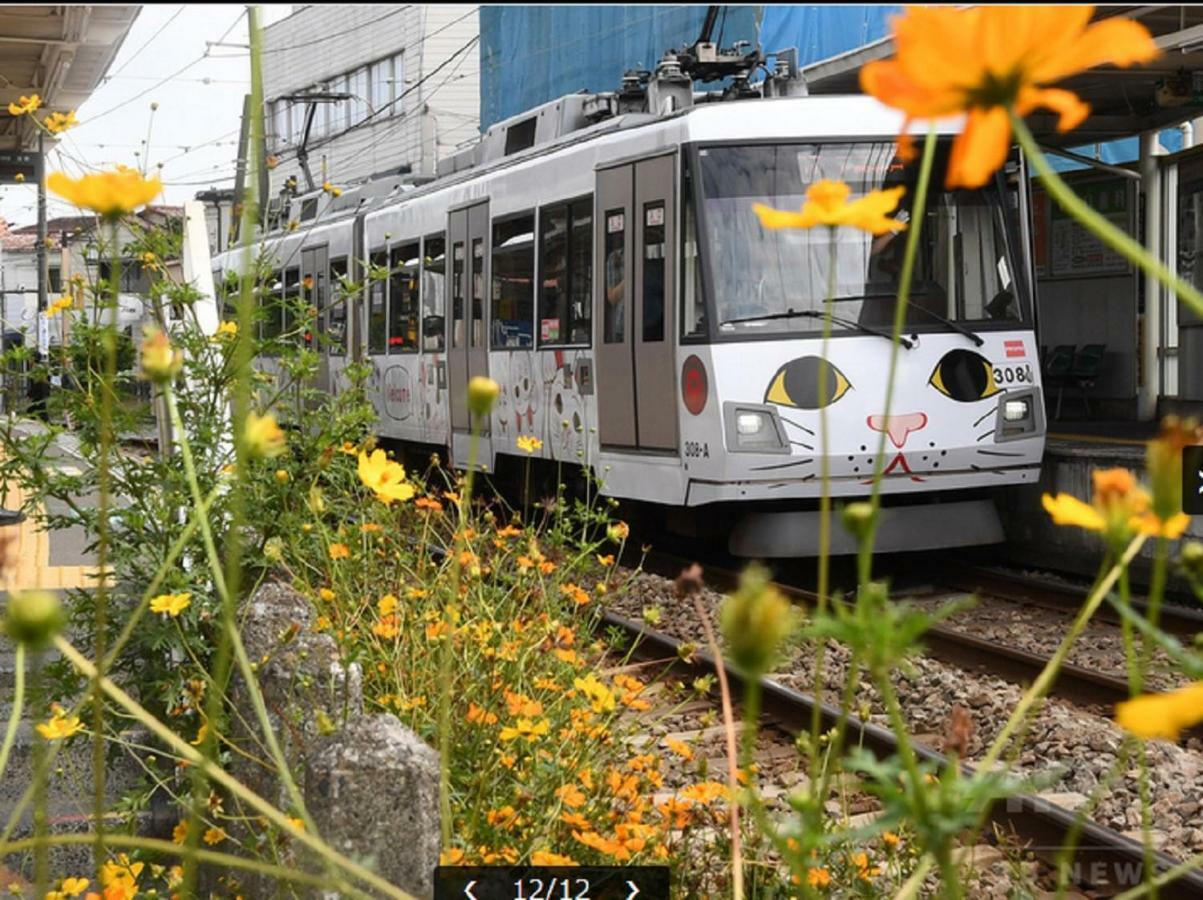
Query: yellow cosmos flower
[[121, 874], [179, 834], [989, 60], [529, 443], [68, 887], [58, 306], [24, 105], [1119, 508], [452, 857], [385, 477], [525, 729], [263, 436], [60, 726], [339, 551], [226, 330], [57, 123], [600, 697], [1162, 715], [108, 194], [170, 604], [827, 204], [214, 836]]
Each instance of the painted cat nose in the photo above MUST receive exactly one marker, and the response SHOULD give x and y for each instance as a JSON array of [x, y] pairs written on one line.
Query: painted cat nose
[[898, 427]]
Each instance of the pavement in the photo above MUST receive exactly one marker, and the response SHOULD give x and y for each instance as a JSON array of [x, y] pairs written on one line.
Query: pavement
[[33, 558]]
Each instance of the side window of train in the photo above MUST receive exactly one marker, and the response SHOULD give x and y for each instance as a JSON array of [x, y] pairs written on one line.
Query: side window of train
[[404, 270], [614, 330], [377, 305], [434, 292], [457, 295], [273, 307], [337, 315], [693, 310], [513, 309], [292, 291], [565, 273], [477, 336], [653, 271]]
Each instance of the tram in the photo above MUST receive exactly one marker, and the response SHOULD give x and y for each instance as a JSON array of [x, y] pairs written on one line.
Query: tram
[[599, 258]]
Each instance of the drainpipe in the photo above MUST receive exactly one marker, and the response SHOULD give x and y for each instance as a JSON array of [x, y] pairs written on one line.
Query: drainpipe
[[1150, 331]]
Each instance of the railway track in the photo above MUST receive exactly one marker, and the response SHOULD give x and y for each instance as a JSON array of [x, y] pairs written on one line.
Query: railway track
[[1086, 687], [1104, 860]]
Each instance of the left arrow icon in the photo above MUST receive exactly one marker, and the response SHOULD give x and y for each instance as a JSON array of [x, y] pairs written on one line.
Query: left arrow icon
[[468, 890]]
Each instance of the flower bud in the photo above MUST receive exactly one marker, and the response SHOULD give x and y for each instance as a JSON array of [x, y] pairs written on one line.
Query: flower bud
[[756, 620], [618, 532], [858, 518], [1191, 558], [160, 361], [282, 476], [33, 618], [482, 394], [273, 549]]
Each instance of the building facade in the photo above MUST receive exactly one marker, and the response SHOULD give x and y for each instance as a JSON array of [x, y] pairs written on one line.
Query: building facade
[[396, 87]]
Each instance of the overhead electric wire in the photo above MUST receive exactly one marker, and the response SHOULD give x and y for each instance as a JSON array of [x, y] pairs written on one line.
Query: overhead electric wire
[[326, 37], [168, 78], [147, 43]]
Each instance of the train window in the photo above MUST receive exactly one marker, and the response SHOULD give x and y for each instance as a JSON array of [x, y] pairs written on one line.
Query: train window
[[273, 306], [693, 309], [616, 283], [377, 304], [565, 273], [477, 338], [292, 290], [457, 295], [339, 297], [513, 309], [434, 292], [404, 270], [653, 271]]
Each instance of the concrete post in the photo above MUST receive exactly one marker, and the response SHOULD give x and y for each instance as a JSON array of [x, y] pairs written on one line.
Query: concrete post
[[1150, 331]]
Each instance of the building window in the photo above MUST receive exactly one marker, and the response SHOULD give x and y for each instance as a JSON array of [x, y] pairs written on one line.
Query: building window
[[359, 95], [405, 263], [513, 307], [382, 87], [565, 273], [398, 84], [377, 305], [434, 292]]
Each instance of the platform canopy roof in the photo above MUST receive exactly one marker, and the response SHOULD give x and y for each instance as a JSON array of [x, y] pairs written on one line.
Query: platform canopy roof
[[59, 53], [1123, 102]]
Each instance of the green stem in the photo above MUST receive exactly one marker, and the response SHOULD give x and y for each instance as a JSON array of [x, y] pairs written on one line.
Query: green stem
[[824, 563], [864, 555], [14, 717], [1109, 234], [230, 625], [1041, 685], [214, 771]]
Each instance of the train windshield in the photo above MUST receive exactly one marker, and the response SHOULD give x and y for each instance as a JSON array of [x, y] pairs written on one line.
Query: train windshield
[[767, 281]]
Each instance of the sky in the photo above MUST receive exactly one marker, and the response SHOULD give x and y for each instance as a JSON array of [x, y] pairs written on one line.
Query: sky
[[198, 88]]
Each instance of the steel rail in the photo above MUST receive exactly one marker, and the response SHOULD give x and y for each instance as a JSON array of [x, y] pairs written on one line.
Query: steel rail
[[1102, 858]]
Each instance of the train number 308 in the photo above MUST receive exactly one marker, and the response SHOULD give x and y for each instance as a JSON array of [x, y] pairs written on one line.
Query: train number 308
[[697, 450], [1013, 374]]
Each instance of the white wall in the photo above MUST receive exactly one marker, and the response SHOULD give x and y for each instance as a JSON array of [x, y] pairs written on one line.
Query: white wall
[[432, 118]]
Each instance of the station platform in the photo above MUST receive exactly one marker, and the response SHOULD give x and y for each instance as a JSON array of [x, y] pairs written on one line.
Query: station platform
[[33, 558]]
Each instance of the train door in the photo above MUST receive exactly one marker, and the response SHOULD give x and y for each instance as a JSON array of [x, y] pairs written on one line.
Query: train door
[[315, 290], [467, 349], [636, 385]]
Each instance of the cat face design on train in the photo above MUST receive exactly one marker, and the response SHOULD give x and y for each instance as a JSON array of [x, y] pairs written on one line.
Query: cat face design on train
[[956, 408]]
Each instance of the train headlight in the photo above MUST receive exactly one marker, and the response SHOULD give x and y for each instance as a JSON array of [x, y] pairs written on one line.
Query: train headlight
[[753, 429], [1020, 415], [1016, 410]]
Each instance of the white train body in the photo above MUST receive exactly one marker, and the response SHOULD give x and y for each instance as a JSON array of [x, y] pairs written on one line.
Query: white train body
[[616, 284]]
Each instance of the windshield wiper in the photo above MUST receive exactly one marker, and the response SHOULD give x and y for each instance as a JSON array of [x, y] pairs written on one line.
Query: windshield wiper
[[816, 314], [955, 326]]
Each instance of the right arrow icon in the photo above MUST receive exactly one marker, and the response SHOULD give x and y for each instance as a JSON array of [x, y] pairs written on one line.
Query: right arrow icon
[[634, 890]]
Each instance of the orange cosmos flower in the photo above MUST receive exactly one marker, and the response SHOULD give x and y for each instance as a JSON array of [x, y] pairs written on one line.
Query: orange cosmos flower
[[987, 61], [1162, 715], [339, 551], [827, 204]]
